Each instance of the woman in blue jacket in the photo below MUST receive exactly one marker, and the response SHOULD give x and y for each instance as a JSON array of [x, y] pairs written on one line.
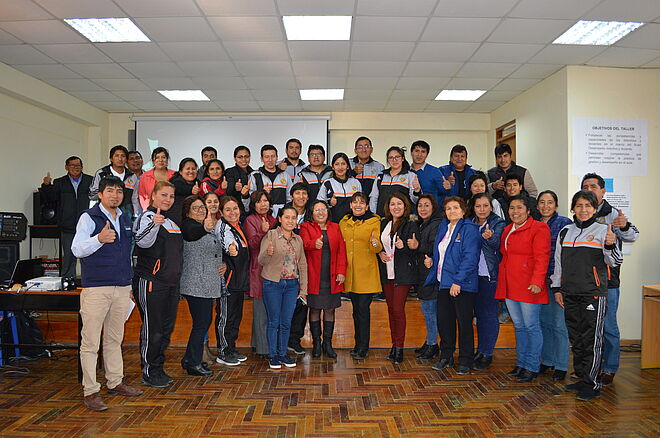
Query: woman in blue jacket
[[485, 304], [555, 352], [454, 268]]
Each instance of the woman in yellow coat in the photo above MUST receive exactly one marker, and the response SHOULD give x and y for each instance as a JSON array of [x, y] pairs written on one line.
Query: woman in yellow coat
[[361, 229]]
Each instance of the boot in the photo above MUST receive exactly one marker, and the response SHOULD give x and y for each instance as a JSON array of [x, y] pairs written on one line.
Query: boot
[[315, 328], [328, 330], [207, 355], [430, 353], [421, 350], [398, 355], [390, 355]]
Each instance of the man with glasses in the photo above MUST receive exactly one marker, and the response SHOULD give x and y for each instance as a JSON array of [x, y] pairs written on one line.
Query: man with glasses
[[68, 194], [317, 172], [366, 168]]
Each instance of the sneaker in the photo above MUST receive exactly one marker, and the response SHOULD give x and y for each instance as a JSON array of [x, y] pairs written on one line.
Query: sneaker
[[588, 393], [576, 387], [345, 296], [296, 348], [227, 359], [274, 363], [155, 381], [169, 378], [606, 378], [379, 296], [287, 361], [238, 356]]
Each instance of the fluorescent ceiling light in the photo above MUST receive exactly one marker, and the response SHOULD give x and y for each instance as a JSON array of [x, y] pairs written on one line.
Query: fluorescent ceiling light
[[184, 95], [107, 30], [597, 33], [322, 27], [322, 94], [459, 94]]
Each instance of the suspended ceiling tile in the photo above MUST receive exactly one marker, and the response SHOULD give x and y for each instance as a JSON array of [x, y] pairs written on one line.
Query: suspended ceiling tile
[[628, 10], [306, 7], [176, 29], [195, 51], [248, 28], [566, 54], [23, 54], [47, 71], [264, 68], [279, 95], [238, 7], [154, 69], [159, 8], [474, 8], [74, 84], [322, 68], [406, 83], [114, 106], [101, 71], [387, 28], [371, 82], [241, 105], [218, 82], [81, 9], [426, 69], [535, 71], [448, 106], [620, 57], [257, 51], [11, 10], [133, 52], [121, 84], [277, 105], [97, 96], [472, 83], [459, 29], [321, 81], [381, 51], [153, 105], [74, 53], [447, 52], [556, 9], [167, 84], [396, 8], [529, 31], [646, 37], [143, 96], [197, 106], [499, 52], [7, 38], [208, 68], [42, 31], [319, 50], [376, 68], [269, 82], [515, 84]]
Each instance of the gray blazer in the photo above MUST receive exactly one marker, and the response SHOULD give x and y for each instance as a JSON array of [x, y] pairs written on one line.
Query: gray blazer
[[200, 275]]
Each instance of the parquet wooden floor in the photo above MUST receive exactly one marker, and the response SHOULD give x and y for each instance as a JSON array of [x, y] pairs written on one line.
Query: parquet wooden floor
[[322, 398]]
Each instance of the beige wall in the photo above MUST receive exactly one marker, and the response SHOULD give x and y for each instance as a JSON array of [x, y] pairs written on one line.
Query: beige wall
[[626, 94]]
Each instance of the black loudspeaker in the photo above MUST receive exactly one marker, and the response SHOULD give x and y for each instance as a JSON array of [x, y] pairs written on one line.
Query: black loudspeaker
[[8, 258], [43, 213]]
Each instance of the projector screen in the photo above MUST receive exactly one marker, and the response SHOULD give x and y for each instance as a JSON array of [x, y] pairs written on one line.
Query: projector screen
[[186, 136]]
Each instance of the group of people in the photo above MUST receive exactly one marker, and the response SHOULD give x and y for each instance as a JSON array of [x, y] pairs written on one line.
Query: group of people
[[294, 236]]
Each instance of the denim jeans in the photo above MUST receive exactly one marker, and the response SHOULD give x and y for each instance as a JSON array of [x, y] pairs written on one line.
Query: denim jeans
[[280, 301], [529, 339], [430, 312], [612, 337], [485, 309], [556, 347]]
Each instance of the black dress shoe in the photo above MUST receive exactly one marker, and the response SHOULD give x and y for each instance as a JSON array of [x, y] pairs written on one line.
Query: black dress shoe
[[515, 372], [198, 370], [421, 349], [558, 375], [361, 354], [477, 355], [430, 353], [398, 356], [483, 362], [185, 362], [353, 351], [390, 355], [462, 370], [545, 368], [443, 363], [526, 376]]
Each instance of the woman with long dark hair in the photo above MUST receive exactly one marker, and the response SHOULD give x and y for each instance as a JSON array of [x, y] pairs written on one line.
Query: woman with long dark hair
[[325, 251], [361, 229], [397, 178], [284, 274], [214, 179], [185, 184], [485, 305], [398, 270], [338, 189], [430, 218], [256, 225]]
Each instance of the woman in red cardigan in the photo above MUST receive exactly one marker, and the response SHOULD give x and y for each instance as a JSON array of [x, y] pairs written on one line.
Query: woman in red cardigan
[[525, 248], [325, 251]]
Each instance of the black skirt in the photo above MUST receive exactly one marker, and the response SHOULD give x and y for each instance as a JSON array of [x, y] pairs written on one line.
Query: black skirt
[[325, 299]]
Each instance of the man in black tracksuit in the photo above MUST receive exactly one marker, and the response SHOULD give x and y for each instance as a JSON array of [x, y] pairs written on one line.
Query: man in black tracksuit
[[585, 252]]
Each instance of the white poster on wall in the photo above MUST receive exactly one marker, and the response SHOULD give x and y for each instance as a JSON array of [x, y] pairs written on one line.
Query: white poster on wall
[[618, 193], [610, 146]]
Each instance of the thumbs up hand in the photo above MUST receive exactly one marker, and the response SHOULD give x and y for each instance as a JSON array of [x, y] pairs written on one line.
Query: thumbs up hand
[[413, 243], [398, 243], [232, 251], [488, 233], [333, 201], [195, 189], [238, 186], [107, 234], [319, 243], [282, 166], [265, 226], [209, 221], [47, 179], [428, 261], [445, 183], [246, 188], [223, 185], [416, 186], [271, 248], [452, 179], [620, 221], [499, 184], [358, 168], [374, 240], [158, 218], [610, 237]]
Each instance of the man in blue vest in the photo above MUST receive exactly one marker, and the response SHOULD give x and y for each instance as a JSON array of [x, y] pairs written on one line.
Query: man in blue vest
[[103, 244]]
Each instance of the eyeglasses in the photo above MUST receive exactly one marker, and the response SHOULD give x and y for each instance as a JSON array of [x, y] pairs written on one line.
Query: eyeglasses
[[361, 148], [242, 157], [317, 155], [320, 210], [395, 157], [74, 166], [198, 207]]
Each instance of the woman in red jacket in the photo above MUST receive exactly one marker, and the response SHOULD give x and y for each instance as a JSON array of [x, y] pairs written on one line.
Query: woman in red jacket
[[525, 248], [325, 251]]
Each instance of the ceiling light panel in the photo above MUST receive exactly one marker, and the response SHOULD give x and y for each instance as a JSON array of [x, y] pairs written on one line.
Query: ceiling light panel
[[317, 28], [184, 95], [459, 94], [597, 33], [108, 30], [322, 94]]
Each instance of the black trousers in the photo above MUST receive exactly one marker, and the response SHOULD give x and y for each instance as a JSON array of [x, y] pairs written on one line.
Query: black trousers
[[298, 322], [228, 317], [585, 321], [68, 259], [158, 304], [361, 319], [451, 310], [201, 313]]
